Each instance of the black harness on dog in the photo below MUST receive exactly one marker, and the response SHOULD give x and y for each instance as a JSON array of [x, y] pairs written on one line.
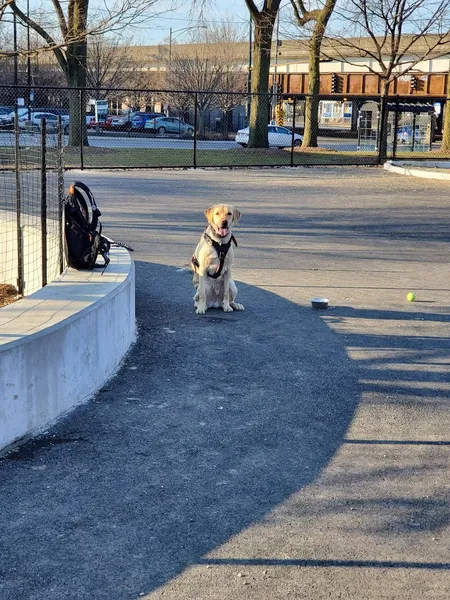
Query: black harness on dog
[[222, 251]]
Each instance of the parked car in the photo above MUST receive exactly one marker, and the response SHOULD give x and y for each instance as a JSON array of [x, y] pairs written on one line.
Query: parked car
[[5, 117], [22, 113], [64, 112], [169, 125], [35, 121], [279, 137], [93, 124], [140, 118], [122, 122]]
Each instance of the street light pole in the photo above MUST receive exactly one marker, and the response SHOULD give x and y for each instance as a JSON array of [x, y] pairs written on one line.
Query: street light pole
[[16, 78], [179, 31], [28, 47]]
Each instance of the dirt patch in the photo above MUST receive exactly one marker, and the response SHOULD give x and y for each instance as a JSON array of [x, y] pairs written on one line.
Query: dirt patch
[[8, 294], [318, 150]]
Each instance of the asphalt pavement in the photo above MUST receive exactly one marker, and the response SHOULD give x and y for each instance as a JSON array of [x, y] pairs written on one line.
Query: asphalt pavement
[[278, 453]]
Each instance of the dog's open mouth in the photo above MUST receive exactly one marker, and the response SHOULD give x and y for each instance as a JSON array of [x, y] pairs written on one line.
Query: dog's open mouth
[[222, 231]]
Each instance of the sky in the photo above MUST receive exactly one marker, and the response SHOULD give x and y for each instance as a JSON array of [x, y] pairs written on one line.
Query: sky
[[181, 18]]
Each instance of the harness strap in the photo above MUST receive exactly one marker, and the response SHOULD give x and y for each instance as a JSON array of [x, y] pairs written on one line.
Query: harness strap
[[222, 251]]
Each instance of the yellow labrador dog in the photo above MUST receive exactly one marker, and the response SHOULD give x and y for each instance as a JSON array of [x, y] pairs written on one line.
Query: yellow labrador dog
[[213, 259]]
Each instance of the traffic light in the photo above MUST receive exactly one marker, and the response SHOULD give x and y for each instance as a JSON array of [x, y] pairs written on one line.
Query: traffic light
[[413, 84], [279, 114], [334, 83]]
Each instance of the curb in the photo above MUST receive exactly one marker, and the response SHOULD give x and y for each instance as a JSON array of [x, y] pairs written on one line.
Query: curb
[[415, 172], [59, 345]]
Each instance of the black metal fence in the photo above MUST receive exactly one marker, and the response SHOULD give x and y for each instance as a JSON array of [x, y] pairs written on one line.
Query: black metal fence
[[31, 204], [164, 128]]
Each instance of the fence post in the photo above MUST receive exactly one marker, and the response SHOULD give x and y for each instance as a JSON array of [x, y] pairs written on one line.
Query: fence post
[[44, 200], [81, 132], [60, 194], [195, 130], [20, 282], [394, 141], [293, 130]]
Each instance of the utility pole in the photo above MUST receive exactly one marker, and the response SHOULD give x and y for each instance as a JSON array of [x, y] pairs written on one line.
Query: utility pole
[[28, 63], [249, 75], [28, 47], [16, 78]]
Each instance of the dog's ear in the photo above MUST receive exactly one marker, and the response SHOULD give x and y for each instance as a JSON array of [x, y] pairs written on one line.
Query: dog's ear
[[236, 215], [208, 213]]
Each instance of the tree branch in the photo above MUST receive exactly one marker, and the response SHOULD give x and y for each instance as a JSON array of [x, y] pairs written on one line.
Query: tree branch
[[61, 18], [253, 10], [57, 49]]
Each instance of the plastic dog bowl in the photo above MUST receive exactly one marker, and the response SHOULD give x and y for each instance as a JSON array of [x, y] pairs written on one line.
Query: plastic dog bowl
[[319, 303]]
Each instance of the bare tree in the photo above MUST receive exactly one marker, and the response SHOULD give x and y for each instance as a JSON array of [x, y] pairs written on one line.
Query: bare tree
[[263, 21], [3, 6], [70, 44], [381, 25], [109, 64], [229, 50], [213, 64], [320, 17], [200, 71]]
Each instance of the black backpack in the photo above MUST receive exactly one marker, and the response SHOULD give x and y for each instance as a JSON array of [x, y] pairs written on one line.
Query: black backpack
[[84, 237]]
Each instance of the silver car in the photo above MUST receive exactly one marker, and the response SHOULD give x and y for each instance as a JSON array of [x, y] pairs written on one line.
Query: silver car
[[51, 122], [169, 125]]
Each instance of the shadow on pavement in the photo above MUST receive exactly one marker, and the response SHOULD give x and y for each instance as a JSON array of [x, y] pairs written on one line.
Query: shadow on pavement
[[210, 423]]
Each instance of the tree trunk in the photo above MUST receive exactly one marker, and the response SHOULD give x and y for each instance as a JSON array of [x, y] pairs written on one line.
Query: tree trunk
[[76, 78], [320, 18], [312, 99], [383, 120], [259, 104], [445, 146]]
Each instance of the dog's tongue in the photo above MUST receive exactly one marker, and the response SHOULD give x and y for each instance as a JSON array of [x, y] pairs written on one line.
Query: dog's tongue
[[222, 231]]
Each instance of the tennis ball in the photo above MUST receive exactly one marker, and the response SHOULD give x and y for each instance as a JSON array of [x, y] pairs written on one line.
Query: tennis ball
[[411, 296]]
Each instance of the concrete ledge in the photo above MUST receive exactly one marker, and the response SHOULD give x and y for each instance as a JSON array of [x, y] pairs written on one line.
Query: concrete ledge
[[59, 345], [405, 168]]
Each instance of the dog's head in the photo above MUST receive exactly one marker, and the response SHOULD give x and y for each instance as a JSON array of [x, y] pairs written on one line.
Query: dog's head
[[221, 217]]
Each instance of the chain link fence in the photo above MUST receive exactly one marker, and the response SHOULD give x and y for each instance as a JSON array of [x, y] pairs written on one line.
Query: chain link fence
[[125, 128], [31, 204]]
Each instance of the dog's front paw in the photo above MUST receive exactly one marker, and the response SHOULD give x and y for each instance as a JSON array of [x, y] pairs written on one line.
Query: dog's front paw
[[201, 309], [226, 307], [237, 306]]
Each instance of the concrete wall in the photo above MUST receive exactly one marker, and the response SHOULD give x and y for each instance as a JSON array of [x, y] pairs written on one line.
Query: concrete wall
[[58, 346], [32, 252]]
